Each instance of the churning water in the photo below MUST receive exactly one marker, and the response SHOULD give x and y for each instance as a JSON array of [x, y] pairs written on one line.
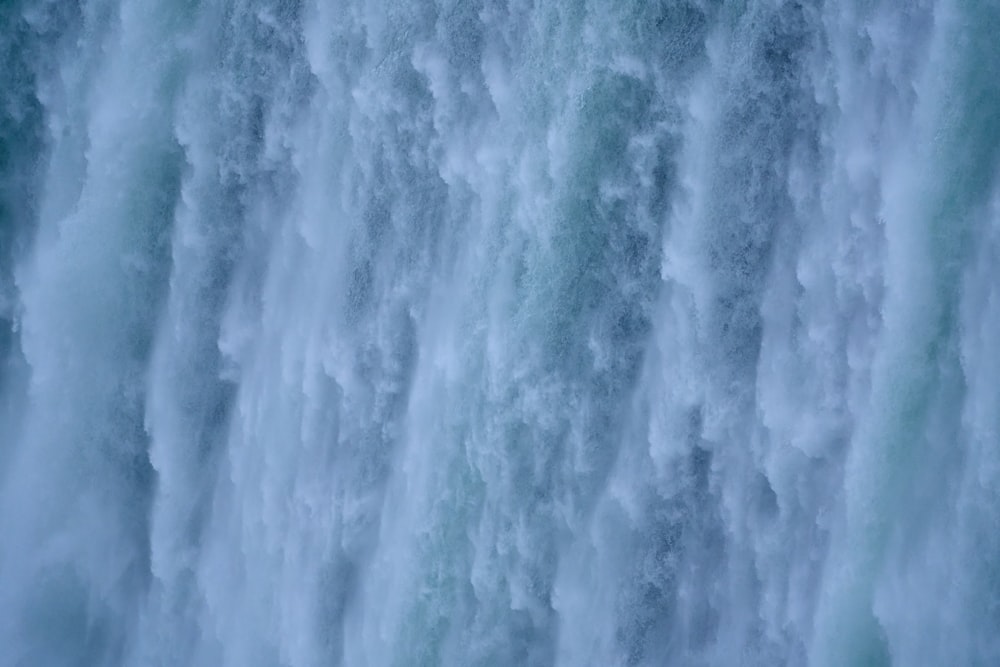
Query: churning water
[[483, 333]]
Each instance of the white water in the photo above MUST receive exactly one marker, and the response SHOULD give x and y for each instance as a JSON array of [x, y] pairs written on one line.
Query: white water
[[482, 333]]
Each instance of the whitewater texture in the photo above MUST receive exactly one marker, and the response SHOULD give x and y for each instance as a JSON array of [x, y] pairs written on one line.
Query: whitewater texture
[[482, 333]]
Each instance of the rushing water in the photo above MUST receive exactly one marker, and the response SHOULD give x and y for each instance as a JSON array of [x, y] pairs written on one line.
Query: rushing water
[[578, 333]]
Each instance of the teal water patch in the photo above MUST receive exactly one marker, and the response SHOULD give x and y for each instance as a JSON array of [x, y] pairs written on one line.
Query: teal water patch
[[21, 149], [763, 111]]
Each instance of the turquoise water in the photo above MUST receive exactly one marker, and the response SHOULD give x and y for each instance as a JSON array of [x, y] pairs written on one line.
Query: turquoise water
[[484, 333]]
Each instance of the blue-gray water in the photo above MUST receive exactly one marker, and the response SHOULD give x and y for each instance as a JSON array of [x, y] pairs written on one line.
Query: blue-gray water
[[481, 333]]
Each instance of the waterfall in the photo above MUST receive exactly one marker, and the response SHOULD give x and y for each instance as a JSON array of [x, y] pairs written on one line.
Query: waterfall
[[482, 333]]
